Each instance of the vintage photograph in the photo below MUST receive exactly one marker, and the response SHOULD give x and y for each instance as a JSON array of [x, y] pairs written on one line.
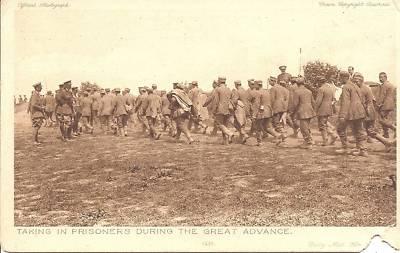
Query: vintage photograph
[[214, 113]]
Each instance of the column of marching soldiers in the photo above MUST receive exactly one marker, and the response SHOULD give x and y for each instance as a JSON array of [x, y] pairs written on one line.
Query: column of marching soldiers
[[269, 111]]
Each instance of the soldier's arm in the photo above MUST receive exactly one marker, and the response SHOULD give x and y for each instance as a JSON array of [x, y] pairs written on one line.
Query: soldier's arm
[[345, 102], [318, 100], [296, 102]]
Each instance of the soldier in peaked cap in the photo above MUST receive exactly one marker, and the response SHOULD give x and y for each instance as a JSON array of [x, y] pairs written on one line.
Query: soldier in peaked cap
[[251, 98], [64, 110], [210, 105], [37, 111], [292, 117], [283, 75], [106, 110], [386, 104], [152, 108], [279, 97], [95, 96]]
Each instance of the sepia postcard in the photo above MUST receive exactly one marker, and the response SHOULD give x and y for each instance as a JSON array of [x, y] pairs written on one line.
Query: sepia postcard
[[186, 126]]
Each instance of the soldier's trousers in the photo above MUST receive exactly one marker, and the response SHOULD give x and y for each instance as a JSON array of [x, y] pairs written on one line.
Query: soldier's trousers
[[222, 121], [357, 129], [143, 121], [369, 126], [276, 121], [293, 121], [168, 123], [386, 122], [239, 127], [182, 122], [264, 125], [94, 118], [305, 130], [152, 126], [85, 122], [75, 122], [324, 126], [106, 121]]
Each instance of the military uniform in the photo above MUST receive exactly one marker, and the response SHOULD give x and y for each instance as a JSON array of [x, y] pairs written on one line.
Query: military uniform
[[194, 95], [386, 105], [223, 100], [119, 110], [304, 103], [95, 97], [240, 101], [64, 111], [50, 106], [351, 113], [77, 112], [324, 103], [151, 108], [37, 115], [140, 113], [262, 112], [106, 108], [279, 98], [166, 113], [86, 104]]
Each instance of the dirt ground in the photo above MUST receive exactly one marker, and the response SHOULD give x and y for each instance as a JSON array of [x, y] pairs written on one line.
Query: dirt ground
[[134, 181]]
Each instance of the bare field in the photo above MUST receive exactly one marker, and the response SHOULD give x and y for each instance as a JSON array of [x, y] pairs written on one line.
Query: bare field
[[134, 181]]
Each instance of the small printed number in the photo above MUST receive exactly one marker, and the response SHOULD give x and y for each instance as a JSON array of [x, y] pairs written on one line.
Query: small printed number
[[208, 243]]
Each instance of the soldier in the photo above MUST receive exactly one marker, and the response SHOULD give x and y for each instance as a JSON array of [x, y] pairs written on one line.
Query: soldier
[[283, 76], [351, 113], [304, 103], [37, 112], [252, 94], [166, 113], [210, 105], [139, 109], [155, 91], [95, 97], [151, 109], [386, 104], [20, 99], [50, 103], [106, 109], [180, 109], [292, 119], [279, 97], [119, 112], [223, 100], [194, 96], [86, 105], [65, 110], [77, 111], [324, 101], [25, 99], [240, 100], [131, 101], [263, 114], [368, 103]]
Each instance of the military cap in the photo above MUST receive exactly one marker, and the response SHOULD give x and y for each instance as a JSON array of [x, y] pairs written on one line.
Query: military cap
[[49, 92], [194, 83], [221, 78], [107, 89], [102, 91], [250, 80], [75, 88], [117, 90], [357, 74], [259, 82], [127, 89], [175, 82], [272, 78], [282, 81], [293, 79], [300, 80], [37, 84], [89, 89], [68, 83], [85, 93], [180, 86], [283, 67]]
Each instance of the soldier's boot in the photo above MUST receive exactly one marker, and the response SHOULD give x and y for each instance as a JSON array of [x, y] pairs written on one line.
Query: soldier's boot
[[35, 133], [121, 132], [69, 133], [324, 138], [245, 137], [384, 141], [214, 131], [126, 130]]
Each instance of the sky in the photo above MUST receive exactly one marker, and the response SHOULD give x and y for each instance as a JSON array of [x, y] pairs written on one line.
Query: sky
[[136, 43]]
